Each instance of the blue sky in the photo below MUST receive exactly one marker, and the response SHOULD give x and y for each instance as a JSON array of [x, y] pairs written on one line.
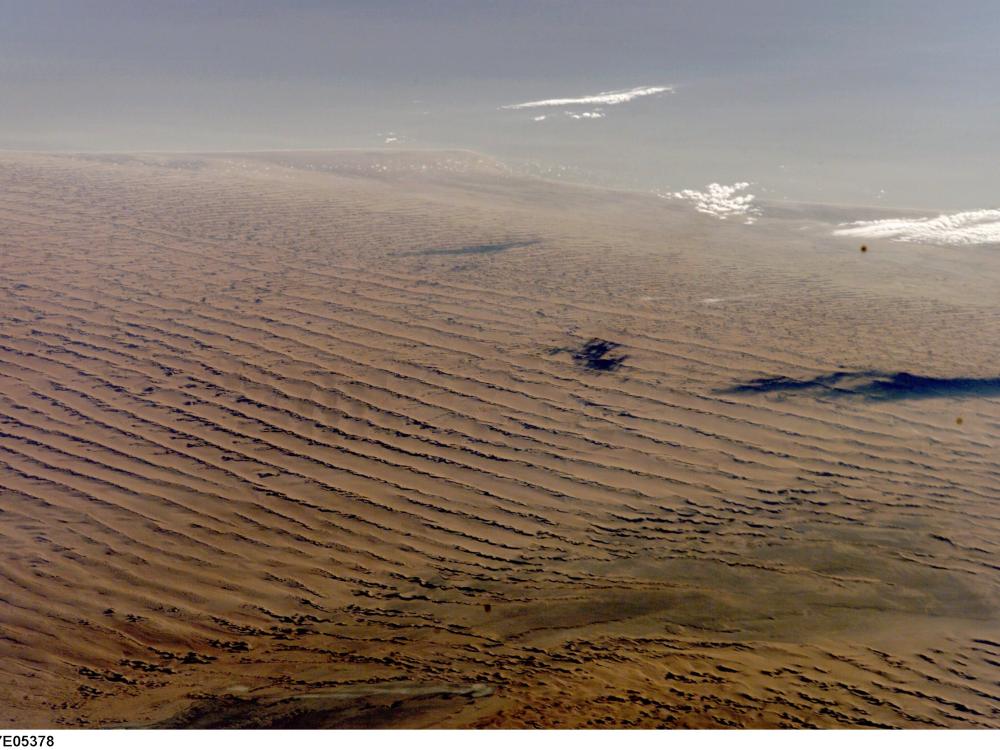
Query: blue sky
[[841, 102]]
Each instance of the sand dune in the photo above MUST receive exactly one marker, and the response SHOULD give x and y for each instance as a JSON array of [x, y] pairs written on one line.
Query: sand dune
[[353, 439]]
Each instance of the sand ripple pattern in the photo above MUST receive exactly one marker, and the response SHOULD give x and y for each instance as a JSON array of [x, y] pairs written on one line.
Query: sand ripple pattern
[[299, 440]]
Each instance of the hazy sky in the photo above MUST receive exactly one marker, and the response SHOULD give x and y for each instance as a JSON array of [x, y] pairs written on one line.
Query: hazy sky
[[894, 102]]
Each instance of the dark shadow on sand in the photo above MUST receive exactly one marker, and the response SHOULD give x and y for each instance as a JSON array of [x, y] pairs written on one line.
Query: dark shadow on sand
[[876, 385], [497, 247], [596, 354]]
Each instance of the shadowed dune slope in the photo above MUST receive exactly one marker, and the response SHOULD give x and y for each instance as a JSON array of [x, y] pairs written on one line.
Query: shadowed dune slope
[[348, 440], [877, 385]]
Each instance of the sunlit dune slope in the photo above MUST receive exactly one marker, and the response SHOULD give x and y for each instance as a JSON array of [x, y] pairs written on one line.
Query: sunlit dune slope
[[353, 439]]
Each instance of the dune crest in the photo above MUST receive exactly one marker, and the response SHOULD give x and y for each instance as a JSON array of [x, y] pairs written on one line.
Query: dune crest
[[357, 439]]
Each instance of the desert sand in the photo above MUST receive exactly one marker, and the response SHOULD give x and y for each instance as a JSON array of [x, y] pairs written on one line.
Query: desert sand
[[349, 439]]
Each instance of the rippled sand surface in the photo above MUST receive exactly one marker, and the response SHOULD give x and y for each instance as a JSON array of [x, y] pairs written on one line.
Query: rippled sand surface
[[355, 439]]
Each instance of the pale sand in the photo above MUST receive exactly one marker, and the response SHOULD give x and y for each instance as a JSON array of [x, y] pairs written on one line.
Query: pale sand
[[299, 440]]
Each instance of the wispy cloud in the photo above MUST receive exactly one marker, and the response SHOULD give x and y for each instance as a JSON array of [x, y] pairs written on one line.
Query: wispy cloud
[[965, 228], [605, 97], [721, 201], [595, 115]]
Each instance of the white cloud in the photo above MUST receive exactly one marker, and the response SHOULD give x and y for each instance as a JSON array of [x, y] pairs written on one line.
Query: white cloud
[[595, 115], [539, 118], [965, 228], [721, 201], [605, 97]]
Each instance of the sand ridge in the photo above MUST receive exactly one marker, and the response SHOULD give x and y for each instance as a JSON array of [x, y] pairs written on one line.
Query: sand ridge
[[281, 444]]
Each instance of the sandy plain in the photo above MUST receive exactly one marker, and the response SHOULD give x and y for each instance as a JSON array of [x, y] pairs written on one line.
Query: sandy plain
[[315, 439]]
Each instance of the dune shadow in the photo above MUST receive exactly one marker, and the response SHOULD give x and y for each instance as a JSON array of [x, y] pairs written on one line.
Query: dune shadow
[[485, 249], [595, 354], [875, 385]]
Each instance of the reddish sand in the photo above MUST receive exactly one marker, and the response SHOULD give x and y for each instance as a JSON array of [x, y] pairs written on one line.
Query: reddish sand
[[300, 440]]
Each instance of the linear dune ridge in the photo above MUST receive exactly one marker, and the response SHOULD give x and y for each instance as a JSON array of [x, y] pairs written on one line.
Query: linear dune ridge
[[362, 439]]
